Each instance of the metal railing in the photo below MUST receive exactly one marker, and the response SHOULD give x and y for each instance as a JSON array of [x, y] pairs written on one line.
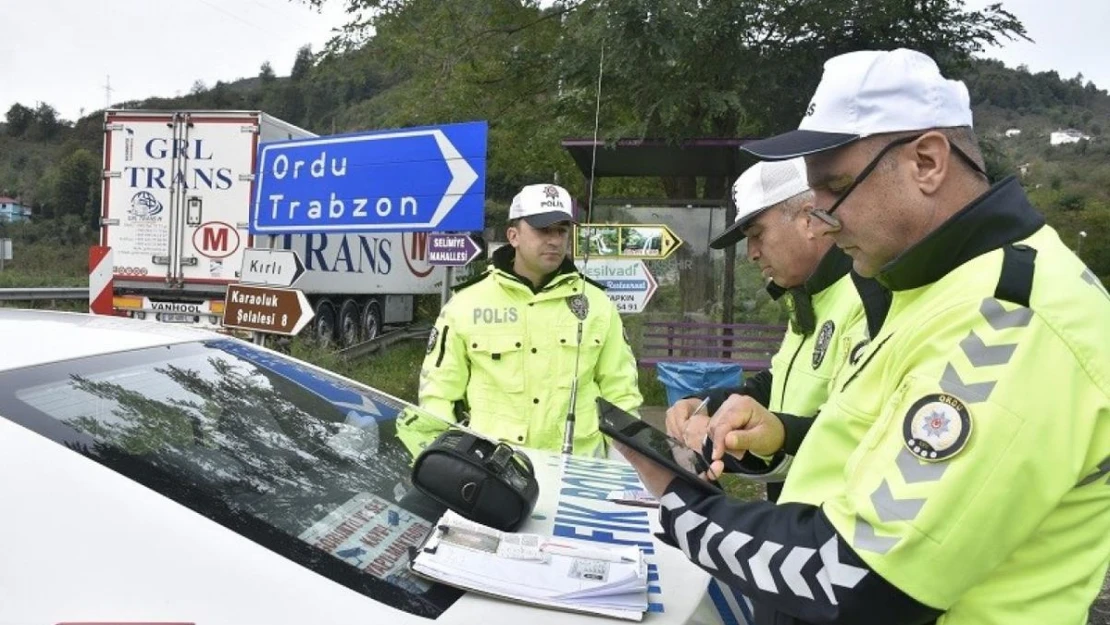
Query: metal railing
[[39, 294], [373, 346]]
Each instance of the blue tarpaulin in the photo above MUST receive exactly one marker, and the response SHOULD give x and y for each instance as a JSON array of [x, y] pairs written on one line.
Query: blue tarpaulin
[[682, 379]]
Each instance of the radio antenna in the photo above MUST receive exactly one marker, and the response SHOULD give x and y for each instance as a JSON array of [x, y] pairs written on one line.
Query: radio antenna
[[568, 433]]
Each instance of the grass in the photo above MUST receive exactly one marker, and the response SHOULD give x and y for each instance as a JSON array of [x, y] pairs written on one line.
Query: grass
[[742, 489], [38, 265], [395, 370]]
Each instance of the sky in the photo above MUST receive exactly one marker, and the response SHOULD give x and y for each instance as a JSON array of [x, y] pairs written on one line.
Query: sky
[[1069, 36], [64, 52]]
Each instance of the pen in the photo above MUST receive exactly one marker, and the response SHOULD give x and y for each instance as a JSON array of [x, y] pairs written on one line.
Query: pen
[[703, 404], [587, 554]]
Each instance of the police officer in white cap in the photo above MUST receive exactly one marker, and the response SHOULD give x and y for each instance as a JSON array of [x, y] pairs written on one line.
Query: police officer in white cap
[[510, 343], [959, 473], [813, 278]]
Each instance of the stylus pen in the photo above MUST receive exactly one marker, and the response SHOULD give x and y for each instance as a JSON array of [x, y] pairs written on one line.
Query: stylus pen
[[584, 553], [702, 405]]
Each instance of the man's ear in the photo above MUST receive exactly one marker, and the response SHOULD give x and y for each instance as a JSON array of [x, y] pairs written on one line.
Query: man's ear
[[932, 161], [511, 235], [805, 217]]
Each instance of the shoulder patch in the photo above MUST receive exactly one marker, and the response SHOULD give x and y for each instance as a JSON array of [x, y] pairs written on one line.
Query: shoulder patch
[[433, 336], [821, 344], [936, 427]]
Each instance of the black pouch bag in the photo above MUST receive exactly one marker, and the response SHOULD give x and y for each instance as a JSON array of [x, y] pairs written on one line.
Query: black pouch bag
[[487, 482]]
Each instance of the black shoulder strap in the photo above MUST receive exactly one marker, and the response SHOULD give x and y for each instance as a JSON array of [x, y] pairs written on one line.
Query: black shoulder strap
[[593, 282], [469, 282], [1015, 282]]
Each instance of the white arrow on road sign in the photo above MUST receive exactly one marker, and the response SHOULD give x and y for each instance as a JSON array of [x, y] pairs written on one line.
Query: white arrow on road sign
[[462, 176], [306, 313], [270, 267]]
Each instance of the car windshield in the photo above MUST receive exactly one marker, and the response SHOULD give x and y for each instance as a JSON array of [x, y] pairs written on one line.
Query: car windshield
[[294, 458]]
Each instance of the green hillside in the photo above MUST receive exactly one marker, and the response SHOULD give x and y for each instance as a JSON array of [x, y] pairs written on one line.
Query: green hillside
[[540, 89]]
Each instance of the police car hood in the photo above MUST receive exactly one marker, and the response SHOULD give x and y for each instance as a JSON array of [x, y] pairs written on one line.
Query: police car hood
[[34, 337]]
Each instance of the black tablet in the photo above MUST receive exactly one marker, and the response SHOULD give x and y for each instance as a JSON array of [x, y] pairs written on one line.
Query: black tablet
[[655, 444]]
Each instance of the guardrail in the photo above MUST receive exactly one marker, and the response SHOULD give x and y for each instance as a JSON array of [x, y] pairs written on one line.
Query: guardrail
[[373, 346], [39, 294]]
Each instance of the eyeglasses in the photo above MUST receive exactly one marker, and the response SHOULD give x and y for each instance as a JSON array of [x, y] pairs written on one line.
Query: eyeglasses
[[825, 215]]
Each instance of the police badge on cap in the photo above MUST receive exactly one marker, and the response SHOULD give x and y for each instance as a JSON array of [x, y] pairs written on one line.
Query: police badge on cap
[[936, 427], [579, 305]]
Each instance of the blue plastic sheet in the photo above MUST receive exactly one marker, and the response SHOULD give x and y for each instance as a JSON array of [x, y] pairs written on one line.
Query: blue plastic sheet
[[682, 379]]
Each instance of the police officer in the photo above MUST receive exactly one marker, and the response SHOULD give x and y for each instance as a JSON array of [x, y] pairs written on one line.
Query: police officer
[[509, 343], [773, 204], [959, 472]]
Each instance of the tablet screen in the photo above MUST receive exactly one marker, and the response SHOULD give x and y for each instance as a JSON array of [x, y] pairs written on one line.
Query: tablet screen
[[654, 444]]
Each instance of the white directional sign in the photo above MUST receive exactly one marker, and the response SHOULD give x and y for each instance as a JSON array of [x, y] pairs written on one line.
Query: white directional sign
[[628, 283], [270, 267]]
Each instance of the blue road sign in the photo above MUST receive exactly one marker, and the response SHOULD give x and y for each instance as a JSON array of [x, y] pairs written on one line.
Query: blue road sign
[[409, 179]]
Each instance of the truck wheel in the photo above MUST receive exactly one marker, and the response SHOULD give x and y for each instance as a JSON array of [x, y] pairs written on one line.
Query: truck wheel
[[349, 323], [371, 320], [324, 322]]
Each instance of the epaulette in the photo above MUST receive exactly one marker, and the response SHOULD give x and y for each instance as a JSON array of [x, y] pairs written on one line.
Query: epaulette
[[469, 282]]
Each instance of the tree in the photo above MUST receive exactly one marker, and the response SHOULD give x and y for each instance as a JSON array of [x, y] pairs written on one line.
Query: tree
[[76, 188], [678, 69], [302, 64], [266, 73], [19, 119], [1072, 201]]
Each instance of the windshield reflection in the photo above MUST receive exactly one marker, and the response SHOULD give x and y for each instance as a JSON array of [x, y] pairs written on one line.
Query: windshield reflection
[[312, 455]]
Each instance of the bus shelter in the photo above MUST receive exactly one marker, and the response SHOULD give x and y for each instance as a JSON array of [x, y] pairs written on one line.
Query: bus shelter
[[695, 282]]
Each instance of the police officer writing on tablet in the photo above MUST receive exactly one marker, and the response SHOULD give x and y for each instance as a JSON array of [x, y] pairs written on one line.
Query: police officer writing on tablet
[[507, 345], [960, 474], [813, 277]]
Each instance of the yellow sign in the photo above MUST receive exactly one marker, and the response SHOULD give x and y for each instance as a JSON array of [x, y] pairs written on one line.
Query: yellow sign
[[646, 241]]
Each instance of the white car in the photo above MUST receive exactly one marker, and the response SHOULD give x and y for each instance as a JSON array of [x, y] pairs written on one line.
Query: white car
[[159, 474]]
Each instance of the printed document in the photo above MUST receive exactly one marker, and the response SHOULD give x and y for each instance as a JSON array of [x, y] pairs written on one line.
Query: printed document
[[557, 573]]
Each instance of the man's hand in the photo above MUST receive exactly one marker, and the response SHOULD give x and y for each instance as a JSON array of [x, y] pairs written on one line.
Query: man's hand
[[656, 478], [686, 426], [741, 425]]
